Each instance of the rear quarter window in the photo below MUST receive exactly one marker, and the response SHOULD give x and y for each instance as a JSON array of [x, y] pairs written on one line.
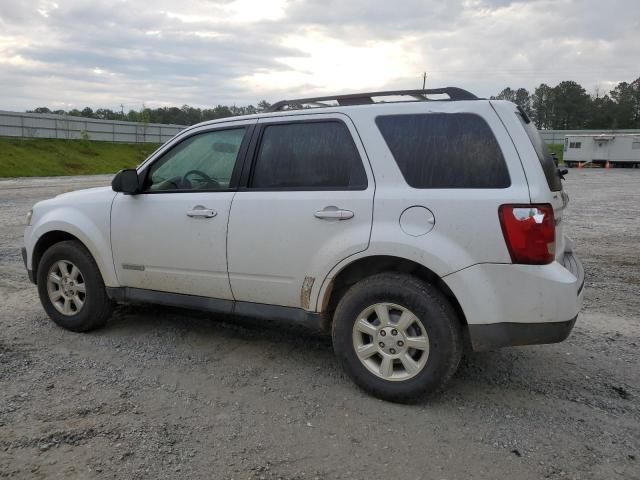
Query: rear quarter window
[[445, 150], [544, 155]]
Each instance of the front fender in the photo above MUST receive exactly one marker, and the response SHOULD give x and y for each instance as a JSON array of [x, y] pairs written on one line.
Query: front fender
[[92, 232]]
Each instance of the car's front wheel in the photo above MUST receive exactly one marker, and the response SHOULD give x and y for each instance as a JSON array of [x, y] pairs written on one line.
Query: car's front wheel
[[397, 337], [71, 288]]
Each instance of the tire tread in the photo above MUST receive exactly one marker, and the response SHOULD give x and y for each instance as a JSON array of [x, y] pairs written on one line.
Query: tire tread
[[99, 306], [418, 292]]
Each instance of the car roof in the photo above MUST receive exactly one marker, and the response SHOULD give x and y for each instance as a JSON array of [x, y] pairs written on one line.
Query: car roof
[[340, 103]]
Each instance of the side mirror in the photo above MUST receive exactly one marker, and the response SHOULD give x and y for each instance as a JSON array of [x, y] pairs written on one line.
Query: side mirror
[[562, 172], [126, 181]]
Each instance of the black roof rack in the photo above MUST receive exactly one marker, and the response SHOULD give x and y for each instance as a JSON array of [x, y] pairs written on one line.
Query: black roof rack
[[366, 98]]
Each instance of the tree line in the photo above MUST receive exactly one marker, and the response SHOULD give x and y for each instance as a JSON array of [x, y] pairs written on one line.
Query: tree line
[[566, 106], [185, 115]]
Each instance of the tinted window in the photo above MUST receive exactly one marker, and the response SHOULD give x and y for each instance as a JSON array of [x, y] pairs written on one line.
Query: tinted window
[[544, 155], [308, 155], [201, 162], [445, 150]]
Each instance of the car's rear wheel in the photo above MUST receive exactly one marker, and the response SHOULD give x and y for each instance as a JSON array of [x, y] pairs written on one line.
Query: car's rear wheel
[[397, 337], [71, 288]]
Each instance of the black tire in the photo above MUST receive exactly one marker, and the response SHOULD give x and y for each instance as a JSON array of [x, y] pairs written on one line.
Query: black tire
[[430, 306], [97, 307]]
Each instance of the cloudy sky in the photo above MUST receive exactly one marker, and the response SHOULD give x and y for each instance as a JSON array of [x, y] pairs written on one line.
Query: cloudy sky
[[103, 53]]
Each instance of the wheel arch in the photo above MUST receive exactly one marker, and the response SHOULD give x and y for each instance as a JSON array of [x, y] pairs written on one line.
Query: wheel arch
[[45, 242], [370, 265], [52, 237]]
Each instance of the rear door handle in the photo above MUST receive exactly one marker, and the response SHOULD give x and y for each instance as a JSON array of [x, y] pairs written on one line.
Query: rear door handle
[[333, 213], [200, 211]]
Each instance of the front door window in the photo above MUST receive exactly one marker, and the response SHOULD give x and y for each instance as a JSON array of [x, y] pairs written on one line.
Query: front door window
[[201, 162]]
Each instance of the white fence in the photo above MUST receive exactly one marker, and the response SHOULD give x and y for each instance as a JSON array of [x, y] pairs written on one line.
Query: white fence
[[46, 125]]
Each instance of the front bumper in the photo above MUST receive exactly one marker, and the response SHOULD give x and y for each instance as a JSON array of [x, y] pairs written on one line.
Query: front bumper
[[23, 250], [510, 304]]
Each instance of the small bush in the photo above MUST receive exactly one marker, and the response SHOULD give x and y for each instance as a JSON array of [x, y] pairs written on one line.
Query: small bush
[[558, 149]]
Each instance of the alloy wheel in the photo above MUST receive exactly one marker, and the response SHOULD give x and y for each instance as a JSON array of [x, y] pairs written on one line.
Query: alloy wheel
[[390, 341], [66, 287]]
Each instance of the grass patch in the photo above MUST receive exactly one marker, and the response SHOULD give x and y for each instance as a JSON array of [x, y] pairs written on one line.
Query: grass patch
[[558, 149], [41, 157], [38, 157]]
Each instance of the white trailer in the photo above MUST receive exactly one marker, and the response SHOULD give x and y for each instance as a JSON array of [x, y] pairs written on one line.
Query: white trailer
[[617, 149]]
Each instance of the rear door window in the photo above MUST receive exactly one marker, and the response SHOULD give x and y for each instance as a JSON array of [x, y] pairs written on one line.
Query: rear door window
[[308, 156], [544, 155], [445, 150]]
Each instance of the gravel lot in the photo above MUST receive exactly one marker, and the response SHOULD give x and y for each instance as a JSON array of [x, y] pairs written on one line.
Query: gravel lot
[[165, 393]]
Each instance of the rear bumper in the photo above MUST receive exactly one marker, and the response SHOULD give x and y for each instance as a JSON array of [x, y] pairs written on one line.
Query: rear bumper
[[509, 304], [511, 334], [574, 265]]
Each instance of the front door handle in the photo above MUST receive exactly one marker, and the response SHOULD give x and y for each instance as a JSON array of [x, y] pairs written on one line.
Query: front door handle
[[200, 211], [333, 213]]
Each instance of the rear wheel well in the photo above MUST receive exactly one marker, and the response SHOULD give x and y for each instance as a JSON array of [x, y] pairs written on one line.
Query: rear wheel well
[[44, 243], [365, 267]]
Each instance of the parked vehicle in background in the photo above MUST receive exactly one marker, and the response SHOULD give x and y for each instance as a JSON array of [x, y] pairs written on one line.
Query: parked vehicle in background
[[407, 228], [616, 150]]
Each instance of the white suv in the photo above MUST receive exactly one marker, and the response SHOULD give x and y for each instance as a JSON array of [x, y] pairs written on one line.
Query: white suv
[[409, 227]]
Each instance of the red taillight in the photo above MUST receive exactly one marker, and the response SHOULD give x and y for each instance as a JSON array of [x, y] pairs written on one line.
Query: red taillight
[[530, 232]]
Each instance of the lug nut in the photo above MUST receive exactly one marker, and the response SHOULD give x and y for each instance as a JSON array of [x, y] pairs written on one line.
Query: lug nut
[[400, 343], [382, 333], [394, 332], [381, 344], [392, 350]]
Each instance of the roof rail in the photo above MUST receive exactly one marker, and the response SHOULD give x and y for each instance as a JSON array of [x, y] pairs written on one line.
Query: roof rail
[[366, 98]]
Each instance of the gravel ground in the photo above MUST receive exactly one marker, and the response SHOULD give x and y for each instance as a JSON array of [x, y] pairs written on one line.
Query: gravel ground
[[165, 393]]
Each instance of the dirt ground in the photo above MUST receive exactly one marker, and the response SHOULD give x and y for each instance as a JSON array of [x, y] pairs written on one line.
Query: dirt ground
[[164, 393]]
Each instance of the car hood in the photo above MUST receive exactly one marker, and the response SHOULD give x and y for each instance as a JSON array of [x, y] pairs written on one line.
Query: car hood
[[85, 193], [90, 196]]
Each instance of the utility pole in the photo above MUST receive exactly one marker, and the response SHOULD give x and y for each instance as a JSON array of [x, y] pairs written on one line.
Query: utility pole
[[424, 80]]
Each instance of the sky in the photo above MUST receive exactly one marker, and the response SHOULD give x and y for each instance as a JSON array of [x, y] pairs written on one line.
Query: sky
[[107, 53]]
